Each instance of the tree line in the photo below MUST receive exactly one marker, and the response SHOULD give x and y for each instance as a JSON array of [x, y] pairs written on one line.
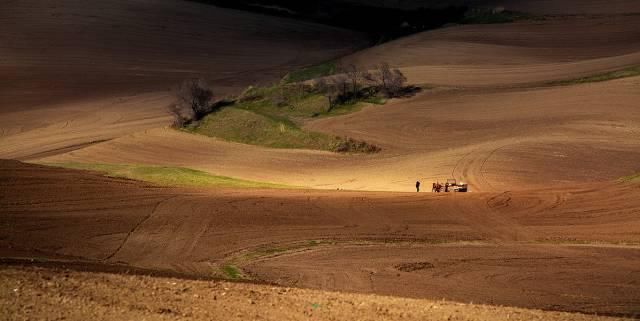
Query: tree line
[[194, 97], [352, 83]]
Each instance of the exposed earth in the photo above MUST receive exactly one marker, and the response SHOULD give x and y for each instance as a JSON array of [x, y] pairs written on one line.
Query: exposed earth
[[78, 296], [552, 221]]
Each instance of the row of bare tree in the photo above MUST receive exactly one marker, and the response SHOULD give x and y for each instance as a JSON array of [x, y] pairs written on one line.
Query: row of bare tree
[[352, 82], [194, 96]]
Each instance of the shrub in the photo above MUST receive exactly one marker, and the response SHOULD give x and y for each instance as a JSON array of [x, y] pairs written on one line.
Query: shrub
[[350, 145], [195, 95], [391, 82], [312, 72], [492, 15], [249, 94], [179, 119]]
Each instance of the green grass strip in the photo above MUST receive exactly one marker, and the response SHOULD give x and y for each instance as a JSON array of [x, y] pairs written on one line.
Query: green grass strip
[[231, 272], [618, 74], [261, 128], [167, 175], [635, 178], [308, 73]]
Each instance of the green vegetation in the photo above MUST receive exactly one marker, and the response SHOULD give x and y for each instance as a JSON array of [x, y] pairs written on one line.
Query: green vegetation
[[274, 116], [231, 272], [312, 72], [618, 74], [574, 241], [271, 117], [244, 126], [635, 178], [350, 106], [296, 103], [489, 16], [167, 176]]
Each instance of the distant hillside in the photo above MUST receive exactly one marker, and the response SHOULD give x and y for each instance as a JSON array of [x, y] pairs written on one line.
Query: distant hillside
[[389, 19], [380, 21], [530, 6], [68, 49]]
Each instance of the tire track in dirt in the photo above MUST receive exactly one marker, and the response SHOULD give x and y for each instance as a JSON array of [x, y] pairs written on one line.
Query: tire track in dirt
[[470, 168], [503, 223], [368, 229], [135, 228]]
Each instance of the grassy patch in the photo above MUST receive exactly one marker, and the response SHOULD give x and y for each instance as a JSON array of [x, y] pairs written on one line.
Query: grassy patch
[[284, 102], [312, 72], [351, 145], [574, 241], [351, 106], [231, 272], [487, 16], [248, 127], [272, 117], [618, 74], [635, 178], [167, 176]]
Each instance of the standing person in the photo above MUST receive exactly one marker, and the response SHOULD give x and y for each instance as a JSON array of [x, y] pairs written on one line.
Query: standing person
[[418, 186]]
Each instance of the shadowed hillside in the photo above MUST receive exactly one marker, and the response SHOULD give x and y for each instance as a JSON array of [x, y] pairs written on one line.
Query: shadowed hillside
[[66, 50]]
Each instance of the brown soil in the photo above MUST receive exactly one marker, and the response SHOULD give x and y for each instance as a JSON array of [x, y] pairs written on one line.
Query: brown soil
[[511, 54], [566, 7], [569, 250], [74, 74], [546, 225], [496, 141], [538, 7], [37, 294]]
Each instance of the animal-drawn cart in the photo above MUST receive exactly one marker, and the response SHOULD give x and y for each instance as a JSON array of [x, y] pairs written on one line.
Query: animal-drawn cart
[[451, 185]]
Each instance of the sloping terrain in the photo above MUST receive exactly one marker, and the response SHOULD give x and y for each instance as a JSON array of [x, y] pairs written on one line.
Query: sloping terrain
[[534, 249], [541, 7], [476, 128], [74, 74], [39, 294], [547, 225], [565, 7], [500, 141], [518, 53], [70, 49]]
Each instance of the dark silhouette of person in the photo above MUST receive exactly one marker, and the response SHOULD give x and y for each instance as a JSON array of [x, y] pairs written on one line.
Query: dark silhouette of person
[[418, 186]]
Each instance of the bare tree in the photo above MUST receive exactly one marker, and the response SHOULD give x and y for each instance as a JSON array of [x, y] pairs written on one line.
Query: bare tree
[[383, 75], [320, 85], [331, 92], [280, 98], [179, 119], [195, 95], [390, 81], [355, 75], [368, 78], [342, 83], [397, 83]]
